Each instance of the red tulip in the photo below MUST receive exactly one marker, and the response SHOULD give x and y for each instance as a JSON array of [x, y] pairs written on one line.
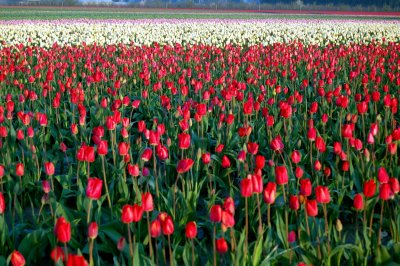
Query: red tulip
[[147, 202], [305, 187], [226, 163], [94, 188], [252, 148], [277, 144], [358, 202], [246, 187], [2, 203], [292, 237], [123, 148], [102, 147], [227, 219], [206, 158], [1, 171], [385, 192], [322, 194], [260, 161], [269, 193], [137, 213], [281, 175], [299, 172], [155, 228], [127, 214], [57, 254], [17, 259], [167, 225], [347, 131], [229, 205], [294, 203], [383, 176], [183, 141], [337, 148], [216, 214], [191, 230], [76, 260], [257, 183], [312, 134], [311, 208], [369, 188], [133, 170], [296, 157], [162, 152], [184, 165], [93, 230], [63, 230], [320, 144], [154, 138], [394, 185], [221, 245], [19, 169], [146, 155]]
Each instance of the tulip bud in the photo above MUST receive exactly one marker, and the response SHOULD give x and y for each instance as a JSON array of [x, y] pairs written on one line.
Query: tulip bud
[[155, 228], [358, 202], [2, 203], [93, 230], [221, 245], [57, 254], [216, 214], [17, 259], [339, 226], [121, 243]]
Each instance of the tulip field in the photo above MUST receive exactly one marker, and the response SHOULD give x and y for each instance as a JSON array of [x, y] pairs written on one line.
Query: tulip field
[[199, 142]]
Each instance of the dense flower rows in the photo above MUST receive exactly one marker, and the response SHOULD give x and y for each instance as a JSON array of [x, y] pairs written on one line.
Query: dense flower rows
[[199, 154], [209, 32]]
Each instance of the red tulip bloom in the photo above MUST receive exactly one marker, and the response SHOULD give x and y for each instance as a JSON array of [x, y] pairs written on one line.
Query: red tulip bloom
[[63, 230], [369, 188], [221, 245], [299, 172], [277, 144], [146, 155], [191, 230], [246, 187], [311, 208], [57, 254], [155, 228], [123, 148], [311, 134], [17, 259], [184, 165], [93, 230], [358, 202], [147, 202], [2, 203], [133, 170], [183, 141], [229, 205], [167, 225], [226, 163], [394, 185], [320, 144], [347, 131], [206, 158], [19, 169], [102, 147], [76, 260], [269, 193], [260, 162], [385, 192], [216, 214], [49, 168], [1, 171], [294, 203], [322, 194], [257, 183], [383, 176], [252, 148], [292, 236], [281, 175], [305, 187], [227, 219], [94, 187], [137, 213], [127, 214], [296, 157]]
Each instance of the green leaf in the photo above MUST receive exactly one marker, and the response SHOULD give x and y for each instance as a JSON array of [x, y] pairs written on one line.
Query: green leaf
[[257, 251]]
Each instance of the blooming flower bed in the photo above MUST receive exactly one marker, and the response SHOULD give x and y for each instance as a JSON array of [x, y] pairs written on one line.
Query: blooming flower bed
[[210, 150], [210, 32]]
